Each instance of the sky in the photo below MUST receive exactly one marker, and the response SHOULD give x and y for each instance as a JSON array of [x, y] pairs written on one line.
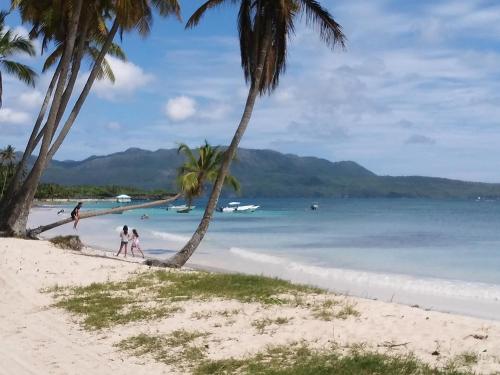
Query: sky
[[415, 92]]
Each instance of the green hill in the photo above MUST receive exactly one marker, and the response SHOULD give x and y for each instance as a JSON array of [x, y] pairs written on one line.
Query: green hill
[[263, 173]]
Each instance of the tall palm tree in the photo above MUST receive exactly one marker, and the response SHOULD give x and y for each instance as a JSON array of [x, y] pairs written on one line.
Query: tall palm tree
[[73, 23], [197, 171], [7, 159], [264, 26], [11, 44]]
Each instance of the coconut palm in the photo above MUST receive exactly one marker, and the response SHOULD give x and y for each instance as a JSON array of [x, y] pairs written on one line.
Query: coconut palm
[[72, 24], [264, 26], [198, 170], [12, 44], [7, 159]]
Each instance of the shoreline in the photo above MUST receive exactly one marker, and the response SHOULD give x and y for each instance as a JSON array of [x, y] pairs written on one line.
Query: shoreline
[[45, 336], [435, 294]]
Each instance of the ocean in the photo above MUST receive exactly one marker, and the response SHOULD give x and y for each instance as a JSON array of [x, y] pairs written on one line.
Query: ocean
[[438, 254]]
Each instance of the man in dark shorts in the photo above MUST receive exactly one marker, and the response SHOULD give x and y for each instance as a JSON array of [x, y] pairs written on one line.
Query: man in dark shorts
[[75, 214]]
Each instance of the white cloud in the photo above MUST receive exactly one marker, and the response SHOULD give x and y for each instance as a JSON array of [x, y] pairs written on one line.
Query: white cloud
[[31, 99], [128, 79], [113, 125], [10, 116], [180, 108]]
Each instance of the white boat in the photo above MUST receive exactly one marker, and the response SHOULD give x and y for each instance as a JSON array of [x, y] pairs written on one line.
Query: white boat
[[181, 209], [236, 207], [123, 198]]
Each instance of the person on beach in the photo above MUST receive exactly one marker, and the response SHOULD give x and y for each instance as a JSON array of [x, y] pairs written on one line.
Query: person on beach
[[124, 236], [75, 214], [135, 243]]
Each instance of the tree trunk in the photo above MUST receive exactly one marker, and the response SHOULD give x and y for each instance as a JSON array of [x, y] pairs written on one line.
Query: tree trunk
[[15, 216], [33, 140], [181, 257], [33, 233], [83, 96]]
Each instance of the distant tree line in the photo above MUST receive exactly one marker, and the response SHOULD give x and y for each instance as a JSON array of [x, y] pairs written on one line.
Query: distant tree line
[[55, 191]]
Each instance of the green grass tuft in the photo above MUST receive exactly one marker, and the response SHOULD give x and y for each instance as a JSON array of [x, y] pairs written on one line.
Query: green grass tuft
[[176, 348], [287, 360], [103, 305]]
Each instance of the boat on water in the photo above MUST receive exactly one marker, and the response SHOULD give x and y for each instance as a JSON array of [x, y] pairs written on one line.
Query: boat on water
[[314, 206], [183, 209], [237, 207]]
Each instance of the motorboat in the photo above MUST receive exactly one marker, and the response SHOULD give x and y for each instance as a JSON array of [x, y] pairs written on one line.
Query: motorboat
[[182, 209], [314, 206], [237, 207]]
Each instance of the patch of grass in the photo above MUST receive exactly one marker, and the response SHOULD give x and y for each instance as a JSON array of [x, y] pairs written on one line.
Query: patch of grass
[[331, 309], [244, 288], [176, 348], [299, 360], [67, 242], [261, 324], [105, 304], [463, 360]]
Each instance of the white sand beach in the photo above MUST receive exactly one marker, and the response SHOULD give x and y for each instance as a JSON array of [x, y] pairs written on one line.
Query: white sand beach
[[38, 338]]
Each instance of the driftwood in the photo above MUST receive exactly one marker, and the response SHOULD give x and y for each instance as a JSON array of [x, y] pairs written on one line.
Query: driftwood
[[33, 233]]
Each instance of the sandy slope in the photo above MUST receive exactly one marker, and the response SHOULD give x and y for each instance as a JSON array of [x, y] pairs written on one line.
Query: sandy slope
[[36, 338]]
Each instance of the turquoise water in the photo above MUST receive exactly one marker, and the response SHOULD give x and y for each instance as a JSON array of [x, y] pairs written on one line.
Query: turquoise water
[[438, 247]]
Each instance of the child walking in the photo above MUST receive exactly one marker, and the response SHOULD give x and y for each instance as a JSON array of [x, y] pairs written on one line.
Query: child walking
[[135, 243], [124, 236]]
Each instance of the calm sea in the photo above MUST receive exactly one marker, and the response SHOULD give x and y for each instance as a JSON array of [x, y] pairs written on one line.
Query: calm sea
[[442, 254]]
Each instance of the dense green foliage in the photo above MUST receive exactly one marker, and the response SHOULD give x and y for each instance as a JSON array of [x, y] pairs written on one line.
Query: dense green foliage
[[263, 173], [54, 191]]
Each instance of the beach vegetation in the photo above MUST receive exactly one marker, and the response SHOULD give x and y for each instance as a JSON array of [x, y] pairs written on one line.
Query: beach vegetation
[[265, 28], [70, 242], [331, 309], [201, 167], [262, 324], [298, 359], [73, 28], [176, 348], [12, 44], [153, 295]]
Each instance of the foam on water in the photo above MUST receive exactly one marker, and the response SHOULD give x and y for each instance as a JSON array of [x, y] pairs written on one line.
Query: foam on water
[[332, 277], [170, 236]]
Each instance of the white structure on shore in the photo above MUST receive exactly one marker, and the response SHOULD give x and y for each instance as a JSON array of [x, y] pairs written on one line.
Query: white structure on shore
[[123, 198]]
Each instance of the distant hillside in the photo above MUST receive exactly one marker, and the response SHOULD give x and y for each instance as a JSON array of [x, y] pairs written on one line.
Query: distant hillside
[[263, 173]]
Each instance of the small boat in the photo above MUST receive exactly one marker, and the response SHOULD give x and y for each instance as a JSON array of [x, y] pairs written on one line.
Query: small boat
[[181, 209], [314, 206], [236, 207]]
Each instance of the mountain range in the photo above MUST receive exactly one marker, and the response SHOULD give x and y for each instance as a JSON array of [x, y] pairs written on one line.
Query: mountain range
[[262, 173]]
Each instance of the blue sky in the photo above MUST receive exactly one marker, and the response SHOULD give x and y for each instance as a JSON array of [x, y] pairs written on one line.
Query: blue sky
[[416, 92]]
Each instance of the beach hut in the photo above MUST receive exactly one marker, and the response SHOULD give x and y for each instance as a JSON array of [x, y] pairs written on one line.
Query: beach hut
[[123, 198]]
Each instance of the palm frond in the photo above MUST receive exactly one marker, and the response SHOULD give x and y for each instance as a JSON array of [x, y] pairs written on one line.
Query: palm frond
[[199, 13], [21, 71], [329, 30]]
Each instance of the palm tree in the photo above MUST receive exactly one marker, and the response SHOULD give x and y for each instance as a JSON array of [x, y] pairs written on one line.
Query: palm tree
[[264, 26], [197, 171], [11, 44], [72, 24], [7, 159]]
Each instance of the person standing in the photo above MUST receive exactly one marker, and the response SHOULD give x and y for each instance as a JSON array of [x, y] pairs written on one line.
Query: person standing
[[124, 237], [135, 243], [75, 214]]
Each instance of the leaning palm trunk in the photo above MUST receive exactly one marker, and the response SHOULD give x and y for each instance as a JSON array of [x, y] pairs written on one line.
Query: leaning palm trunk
[[34, 139], [180, 258], [17, 210], [33, 233]]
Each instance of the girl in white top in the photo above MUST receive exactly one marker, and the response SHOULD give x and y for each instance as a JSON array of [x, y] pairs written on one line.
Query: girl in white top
[[135, 243], [124, 236]]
